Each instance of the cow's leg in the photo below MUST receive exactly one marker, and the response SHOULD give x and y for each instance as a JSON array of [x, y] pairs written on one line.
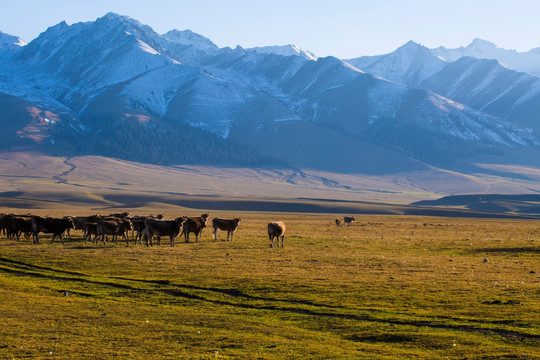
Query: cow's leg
[[69, 235], [172, 241], [282, 239]]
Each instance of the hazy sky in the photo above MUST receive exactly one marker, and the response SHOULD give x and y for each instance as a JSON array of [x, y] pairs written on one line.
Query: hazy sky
[[342, 28]]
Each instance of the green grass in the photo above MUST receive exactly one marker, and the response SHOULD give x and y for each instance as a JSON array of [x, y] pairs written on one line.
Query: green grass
[[385, 288]]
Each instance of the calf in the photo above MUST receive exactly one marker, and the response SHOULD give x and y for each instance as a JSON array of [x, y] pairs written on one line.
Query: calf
[[338, 222], [194, 225], [48, 225], [159, 228], [225, 225], [113, 227], [276, 229], [348, 220]]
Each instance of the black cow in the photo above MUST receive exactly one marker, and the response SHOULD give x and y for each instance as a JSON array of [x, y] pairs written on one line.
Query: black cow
[[170, 228], [19, 224], [49, 225]]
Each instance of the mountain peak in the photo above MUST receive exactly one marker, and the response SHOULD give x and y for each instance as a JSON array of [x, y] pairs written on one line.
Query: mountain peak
[[10, 42], [285, 50], [188, 37], [482, 44]]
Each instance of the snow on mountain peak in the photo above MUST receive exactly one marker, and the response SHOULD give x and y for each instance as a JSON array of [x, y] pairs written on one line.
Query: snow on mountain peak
[[188, 37], [284, 50], [482, 49], [10, 43]]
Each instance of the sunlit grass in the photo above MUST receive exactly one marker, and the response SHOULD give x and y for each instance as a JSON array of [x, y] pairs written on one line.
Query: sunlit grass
[[387, 287]]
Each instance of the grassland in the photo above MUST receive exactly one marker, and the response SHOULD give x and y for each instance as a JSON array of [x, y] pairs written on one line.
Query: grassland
[[388, 287]]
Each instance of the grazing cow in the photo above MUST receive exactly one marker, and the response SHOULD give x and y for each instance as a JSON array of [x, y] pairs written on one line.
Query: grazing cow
[[194, 225], [18, 224], [115, 228], [80, 221], [276, 229], [338, 222], [160, 228], [49, 225], [90, 229], [348, 220], [225, 225]]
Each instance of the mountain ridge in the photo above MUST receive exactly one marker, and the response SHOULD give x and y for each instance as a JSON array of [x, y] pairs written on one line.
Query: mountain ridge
[[281, 102]]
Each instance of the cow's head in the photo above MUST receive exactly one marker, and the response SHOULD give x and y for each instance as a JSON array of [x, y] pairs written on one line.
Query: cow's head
[[71, 221]]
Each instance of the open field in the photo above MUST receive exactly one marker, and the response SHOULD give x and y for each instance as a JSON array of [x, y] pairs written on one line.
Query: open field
[[105, 182], [387, 287]]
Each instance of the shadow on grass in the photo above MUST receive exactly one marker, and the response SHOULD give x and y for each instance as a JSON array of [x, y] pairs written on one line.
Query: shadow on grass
[[509, 250], [270, 304]]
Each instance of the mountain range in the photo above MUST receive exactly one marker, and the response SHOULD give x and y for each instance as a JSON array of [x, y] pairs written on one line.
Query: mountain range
[[115, 87]]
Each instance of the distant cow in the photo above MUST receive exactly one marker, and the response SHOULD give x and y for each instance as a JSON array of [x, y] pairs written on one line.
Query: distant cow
[[194, 225], [338, 222], [225, 225], [348, 220], [48, 225], [276, 229], [118, 227], [170, 228]]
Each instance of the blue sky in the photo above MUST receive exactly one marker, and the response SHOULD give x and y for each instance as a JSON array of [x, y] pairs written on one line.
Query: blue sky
[[342, 28]]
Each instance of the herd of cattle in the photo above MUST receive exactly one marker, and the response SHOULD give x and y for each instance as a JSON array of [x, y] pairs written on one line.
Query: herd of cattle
[[118, 225]]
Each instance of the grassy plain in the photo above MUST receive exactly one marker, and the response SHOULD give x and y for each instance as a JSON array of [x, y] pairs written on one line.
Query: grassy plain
[[387, 287]]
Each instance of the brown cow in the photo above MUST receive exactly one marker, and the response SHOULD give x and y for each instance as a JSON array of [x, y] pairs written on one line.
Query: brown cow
[[225, 225], [49, 225], [194, 225], [118, 227], [276, 229], [160, 228]]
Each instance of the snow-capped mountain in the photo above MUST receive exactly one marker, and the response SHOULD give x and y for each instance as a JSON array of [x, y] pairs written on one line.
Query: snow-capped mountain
[[409, 64], [10, 43], [285, 50], [478, 81], [116, 87], [481, 49]]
